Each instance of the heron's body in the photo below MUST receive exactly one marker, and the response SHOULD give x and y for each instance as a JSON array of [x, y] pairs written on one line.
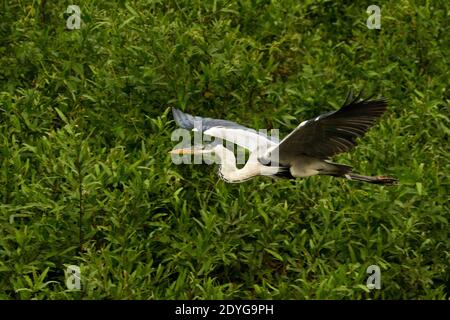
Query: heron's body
[[304, 152]]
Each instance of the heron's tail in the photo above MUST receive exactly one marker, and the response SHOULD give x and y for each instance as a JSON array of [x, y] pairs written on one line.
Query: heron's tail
[[369, 179], [342, 170]]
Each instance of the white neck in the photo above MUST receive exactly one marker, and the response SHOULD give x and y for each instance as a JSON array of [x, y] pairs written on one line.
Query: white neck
[[230, 173]]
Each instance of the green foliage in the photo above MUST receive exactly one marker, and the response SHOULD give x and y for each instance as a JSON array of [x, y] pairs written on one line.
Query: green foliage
[[86, 179]]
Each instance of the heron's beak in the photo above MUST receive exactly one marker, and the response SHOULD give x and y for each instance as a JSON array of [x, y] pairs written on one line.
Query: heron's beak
[[186, 151]]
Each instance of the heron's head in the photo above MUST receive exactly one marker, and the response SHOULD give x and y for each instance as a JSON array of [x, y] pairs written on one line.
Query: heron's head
[[217, 150], [199, 149]]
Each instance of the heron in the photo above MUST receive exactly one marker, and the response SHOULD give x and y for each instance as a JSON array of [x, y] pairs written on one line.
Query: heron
[[306, 151]]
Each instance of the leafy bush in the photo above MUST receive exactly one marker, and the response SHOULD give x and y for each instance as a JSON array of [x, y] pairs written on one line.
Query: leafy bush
[[85, 129]]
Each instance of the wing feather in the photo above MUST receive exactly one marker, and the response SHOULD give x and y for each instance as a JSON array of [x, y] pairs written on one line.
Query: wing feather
[[331, 133]]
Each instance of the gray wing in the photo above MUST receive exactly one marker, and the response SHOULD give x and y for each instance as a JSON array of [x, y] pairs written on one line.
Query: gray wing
[[332, 133], [189, 122], [224, 129]]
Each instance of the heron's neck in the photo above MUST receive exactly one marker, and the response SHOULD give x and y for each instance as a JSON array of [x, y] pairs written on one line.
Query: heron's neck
[[229, 171]]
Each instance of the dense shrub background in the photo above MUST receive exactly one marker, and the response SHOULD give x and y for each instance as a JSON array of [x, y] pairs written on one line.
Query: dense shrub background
[[85, 127]]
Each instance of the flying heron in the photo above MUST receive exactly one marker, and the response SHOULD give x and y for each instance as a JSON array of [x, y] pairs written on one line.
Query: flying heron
[[304, 152]]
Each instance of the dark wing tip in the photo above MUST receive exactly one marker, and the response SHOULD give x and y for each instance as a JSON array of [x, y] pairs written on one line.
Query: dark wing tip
[[362, 107], [352, 99]]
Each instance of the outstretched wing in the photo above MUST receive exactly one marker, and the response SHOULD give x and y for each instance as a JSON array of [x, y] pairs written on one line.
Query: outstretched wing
[[224, 129], [331, 133], [189, 122]]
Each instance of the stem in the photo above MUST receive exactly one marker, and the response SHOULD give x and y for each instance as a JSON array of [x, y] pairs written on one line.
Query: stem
[[80, 204]]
